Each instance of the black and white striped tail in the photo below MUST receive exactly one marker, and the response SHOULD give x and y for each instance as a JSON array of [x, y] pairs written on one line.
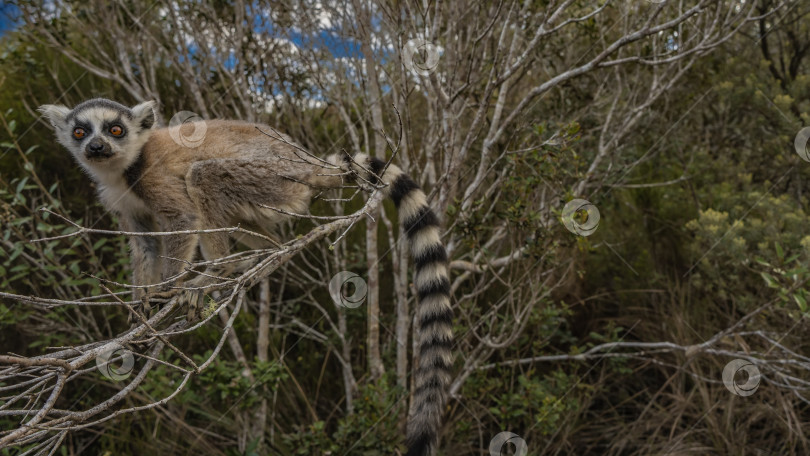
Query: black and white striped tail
[[433, 314]]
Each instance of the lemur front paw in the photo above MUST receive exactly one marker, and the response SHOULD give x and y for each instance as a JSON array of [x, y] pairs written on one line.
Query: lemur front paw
[[194, 298], [145, 308], [196, 303]]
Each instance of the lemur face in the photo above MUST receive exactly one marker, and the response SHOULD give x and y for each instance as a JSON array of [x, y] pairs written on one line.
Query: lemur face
[[103, 136]]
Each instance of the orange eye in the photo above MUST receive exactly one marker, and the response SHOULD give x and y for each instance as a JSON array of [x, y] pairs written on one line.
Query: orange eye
[[116, 130], [78, 133]]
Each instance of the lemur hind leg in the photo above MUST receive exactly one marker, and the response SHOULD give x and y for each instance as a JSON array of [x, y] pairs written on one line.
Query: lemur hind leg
[[233, 191], [253, 242]]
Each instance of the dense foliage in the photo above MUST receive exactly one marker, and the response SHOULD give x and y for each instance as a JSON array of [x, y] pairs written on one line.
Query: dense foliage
[[703, 221]]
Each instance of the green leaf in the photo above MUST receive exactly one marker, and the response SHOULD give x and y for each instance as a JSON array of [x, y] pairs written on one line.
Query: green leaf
[[769, 280], [762, 261], [16, 252], [21, 184], [801, 302]]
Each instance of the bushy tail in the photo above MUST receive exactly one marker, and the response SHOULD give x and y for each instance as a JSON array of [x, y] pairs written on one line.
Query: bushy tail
[[433, 315]]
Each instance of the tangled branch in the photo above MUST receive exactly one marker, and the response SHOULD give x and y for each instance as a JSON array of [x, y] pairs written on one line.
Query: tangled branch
[[31, 387]]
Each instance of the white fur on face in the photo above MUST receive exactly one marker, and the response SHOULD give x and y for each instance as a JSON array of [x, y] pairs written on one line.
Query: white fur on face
[[97, 119], [97, 123]]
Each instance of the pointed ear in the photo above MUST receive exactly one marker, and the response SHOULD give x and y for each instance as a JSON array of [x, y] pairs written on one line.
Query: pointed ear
[[144, 114], [55, 114]]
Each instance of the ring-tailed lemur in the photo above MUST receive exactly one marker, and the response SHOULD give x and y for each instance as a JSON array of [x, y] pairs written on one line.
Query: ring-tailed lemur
[[154, 181]]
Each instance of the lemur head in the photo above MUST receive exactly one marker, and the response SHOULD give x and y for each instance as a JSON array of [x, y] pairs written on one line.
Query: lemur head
[[104, 136]]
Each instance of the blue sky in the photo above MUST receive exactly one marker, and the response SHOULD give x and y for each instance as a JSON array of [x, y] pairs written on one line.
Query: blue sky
[[339, 47], [6, 24]]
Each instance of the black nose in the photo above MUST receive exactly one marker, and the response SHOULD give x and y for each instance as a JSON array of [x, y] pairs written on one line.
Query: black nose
[[97, 148]]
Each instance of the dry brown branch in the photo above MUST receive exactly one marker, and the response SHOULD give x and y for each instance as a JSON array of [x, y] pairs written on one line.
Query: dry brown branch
[[58, 369]]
